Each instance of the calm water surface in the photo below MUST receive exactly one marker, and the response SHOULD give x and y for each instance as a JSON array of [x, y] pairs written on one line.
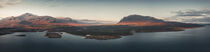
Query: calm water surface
[[191, 40]]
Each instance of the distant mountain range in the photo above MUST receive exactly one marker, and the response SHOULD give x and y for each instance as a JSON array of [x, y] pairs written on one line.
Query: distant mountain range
[[87, 21], [29, 20]]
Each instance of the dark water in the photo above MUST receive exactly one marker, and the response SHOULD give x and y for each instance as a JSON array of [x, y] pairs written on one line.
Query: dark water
[[191, 40]]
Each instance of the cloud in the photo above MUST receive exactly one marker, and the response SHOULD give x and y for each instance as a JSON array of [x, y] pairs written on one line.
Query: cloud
[[192, 12], [191, 16], [198, 20], [4, 3]]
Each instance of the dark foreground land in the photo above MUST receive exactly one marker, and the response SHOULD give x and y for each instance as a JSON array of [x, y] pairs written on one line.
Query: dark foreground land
[[103, 29]]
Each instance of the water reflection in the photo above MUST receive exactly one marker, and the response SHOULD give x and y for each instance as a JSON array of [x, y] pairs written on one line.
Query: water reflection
[[103, 37], [100, 36], [21, 35]]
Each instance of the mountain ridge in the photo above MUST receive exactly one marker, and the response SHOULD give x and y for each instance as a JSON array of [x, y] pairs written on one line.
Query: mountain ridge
[[139, 20], [29, 19]]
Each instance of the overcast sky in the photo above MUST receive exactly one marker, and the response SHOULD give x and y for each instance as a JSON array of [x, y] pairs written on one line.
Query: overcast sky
[[108, 10]]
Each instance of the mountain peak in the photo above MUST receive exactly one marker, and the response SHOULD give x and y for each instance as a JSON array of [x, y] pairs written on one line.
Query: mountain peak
[[28, 14]]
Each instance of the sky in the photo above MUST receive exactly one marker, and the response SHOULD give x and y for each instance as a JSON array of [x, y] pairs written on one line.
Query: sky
[[110, 10]]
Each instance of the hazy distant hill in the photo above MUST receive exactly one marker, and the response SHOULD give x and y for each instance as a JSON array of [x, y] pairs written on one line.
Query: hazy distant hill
[[87, 21]]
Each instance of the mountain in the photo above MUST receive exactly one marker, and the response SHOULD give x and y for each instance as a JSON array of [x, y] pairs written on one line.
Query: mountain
[[138, 20], [29, 20]]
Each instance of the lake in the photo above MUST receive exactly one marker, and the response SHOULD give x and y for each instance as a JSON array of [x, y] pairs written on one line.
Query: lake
[[190, 40]]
